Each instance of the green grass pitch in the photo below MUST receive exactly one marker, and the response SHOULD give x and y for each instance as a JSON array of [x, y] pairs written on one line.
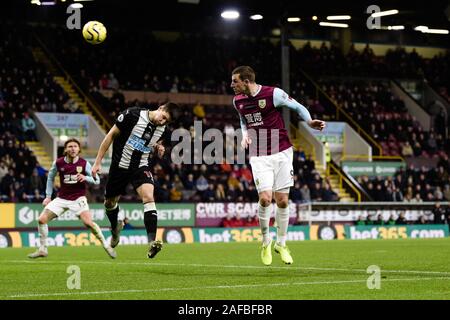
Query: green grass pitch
[[410, 269]]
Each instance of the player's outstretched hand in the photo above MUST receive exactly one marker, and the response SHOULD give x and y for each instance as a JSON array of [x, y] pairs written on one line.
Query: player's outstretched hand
[[317, 124], [246, 141], [95, 170], [46, 201]]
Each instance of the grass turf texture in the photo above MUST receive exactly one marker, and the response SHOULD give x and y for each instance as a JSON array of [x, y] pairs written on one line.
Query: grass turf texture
[[410, 269]]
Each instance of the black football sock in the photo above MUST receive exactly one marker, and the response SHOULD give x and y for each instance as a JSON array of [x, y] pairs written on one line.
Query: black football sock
[[151, 222], [112, 215]]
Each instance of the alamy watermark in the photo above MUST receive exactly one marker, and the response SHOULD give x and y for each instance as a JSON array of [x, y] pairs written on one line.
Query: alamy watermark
[[74, 20], [74, 280], [374, 280]]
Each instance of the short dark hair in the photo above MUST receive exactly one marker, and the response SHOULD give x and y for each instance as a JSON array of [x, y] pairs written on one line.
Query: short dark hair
[[172, 109], [245, 73]]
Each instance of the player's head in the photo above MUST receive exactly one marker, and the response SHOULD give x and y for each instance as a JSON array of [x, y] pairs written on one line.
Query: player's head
[[165, 113], [72, 148], [241, 79]]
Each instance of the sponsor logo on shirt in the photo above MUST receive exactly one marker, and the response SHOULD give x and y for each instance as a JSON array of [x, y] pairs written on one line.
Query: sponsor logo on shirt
[[138, 144], [254, 119]]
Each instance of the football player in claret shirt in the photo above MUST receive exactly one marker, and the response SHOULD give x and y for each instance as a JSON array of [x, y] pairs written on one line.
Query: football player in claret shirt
[[270, 151], [136, 135], [74, 173]]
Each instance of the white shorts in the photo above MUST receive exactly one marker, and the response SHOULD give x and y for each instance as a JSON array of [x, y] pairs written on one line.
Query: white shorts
[[59, 206], [274, 172]]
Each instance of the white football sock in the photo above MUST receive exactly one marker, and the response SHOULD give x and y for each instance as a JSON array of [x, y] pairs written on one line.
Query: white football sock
[[264, 222], [43, 234], [282, 218], [98, 234]]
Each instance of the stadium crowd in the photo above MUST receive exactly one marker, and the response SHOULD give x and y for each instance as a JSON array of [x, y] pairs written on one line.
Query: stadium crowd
[[412, 184], [373, 106], [178, 63]]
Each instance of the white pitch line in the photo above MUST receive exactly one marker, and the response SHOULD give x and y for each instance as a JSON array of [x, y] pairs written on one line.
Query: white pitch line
[[216, 287], [225, 266]]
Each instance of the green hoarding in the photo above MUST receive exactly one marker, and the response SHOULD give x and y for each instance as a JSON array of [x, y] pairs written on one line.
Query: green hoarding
[[371, 169], [182, 214]]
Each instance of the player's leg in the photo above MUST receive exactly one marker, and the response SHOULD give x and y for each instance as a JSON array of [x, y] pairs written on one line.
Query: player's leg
[[283, 181], [282, 219], [145, 191], [282, 215], [45, 217], [264, 212], [86, 218], [112, 212], [263, 175], [115, 186]]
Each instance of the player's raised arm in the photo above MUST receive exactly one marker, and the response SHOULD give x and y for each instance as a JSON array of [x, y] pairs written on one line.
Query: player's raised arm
[[104, 146], [281, 98]]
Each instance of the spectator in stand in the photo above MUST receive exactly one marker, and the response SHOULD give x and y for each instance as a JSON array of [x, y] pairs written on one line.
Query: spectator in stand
[[439, 214], [328, 194], [379, 220], [252, 221], [391, 220], [176, 195], [209, 195], [361, 221], [397, 195], [16, 127], [305, 192], [294, 193], [401, 220], [316, 192], [3, 170], [199, 111], [220, 193], [447, 192], [126, 224], [227, 222], [421, 220], [407, 150]]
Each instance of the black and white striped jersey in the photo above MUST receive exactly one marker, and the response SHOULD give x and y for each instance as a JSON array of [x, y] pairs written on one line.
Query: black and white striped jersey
[[133, 146]]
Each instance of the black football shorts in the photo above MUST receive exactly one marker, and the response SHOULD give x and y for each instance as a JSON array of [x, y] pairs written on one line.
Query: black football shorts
[[118, 179]]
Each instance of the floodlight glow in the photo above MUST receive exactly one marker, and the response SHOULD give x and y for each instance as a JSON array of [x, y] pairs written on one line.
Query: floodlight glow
[[256, 17], [384, 13], [345, 17], [396, 27], [293, 19], [333, 24], [230, 14], [437, 31]]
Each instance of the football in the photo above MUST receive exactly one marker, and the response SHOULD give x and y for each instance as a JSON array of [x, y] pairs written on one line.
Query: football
[[94, 32]]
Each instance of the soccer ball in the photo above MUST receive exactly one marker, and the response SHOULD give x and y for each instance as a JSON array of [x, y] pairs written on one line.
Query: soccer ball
[[94, 32]]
